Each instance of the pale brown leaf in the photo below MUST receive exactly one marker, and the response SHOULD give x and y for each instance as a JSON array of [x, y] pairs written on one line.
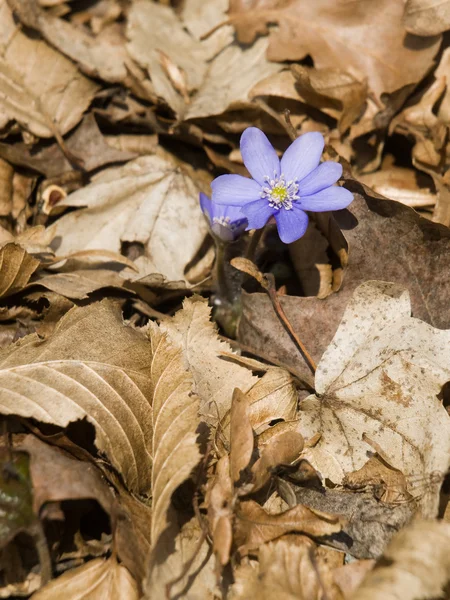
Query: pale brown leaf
[[92, 367], [254, 526], [241, 436], [192, 331], [96, 580], [288, 570], [380, 378], [150, 201], [174, 419], [16, 268], [427, 17], [363, 38], [416, 564], [41, 89]]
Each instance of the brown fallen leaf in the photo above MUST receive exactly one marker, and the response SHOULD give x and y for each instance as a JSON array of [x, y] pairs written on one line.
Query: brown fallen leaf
[[190, 561], [362, 38], [81, 283], [416, 564], [215, 379], [96, 580], [387, 241], [185, 53], [349, 576], [86, 142], [150, 201], [332, 88], [219, 503], [254, 526], [427, 17], [241, 437], [280, 449], [73, 375], [175, 452], [42, 89], [380, 378], [16, 268], [286, 569]]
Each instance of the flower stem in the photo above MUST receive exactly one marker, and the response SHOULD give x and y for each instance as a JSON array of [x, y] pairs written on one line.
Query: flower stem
[[220, 275], [256, 238]]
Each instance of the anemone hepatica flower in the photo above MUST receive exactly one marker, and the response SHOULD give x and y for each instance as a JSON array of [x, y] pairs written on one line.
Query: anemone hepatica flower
[[283, 189], [226, 222]]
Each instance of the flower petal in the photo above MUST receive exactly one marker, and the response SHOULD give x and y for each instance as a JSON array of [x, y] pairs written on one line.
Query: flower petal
[[257, 213], [259, 155], [302, 156], [322, 177], [234, 190], [291, 224], [332, 198], [232, 212], [205, 204]]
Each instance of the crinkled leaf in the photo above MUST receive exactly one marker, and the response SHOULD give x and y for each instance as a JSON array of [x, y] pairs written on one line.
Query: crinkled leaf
[[380, 378]]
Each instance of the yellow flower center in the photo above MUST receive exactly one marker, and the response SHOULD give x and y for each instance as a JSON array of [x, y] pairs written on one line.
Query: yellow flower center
[[279, 193]]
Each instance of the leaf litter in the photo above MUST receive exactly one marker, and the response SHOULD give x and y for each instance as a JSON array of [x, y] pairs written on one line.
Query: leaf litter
[[164, 433]]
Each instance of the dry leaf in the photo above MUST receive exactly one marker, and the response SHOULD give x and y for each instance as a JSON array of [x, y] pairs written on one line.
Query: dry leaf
[[219, 502], [42, 89], [74, 375], [415, 565], [288, 570], [282, 448], [387, 241], [150, 201], [254, 526], [215, 379], [230, 79], [186, 54], [16, 268], [332, 88], [362, 38], [81, 283], [199, 581], [380, 378], [241, 436], [427, 17], [96, 580], [174, 420]]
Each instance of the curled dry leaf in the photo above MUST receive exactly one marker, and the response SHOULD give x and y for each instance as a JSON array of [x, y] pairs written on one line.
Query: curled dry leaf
[[174, 420], [219, 502], [73, 375], [241, 436], [96, 580], [380, 378], [215, 379], [286, 569], [271, 398], [333, 89], [42, 89], [254, 526], [81, 283], [427, 17], [16, 268], [361, 38], [281, 449], [415, 565], [150, 201]]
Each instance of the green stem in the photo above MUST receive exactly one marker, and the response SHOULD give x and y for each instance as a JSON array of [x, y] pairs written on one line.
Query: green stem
[[256, 237], [220, 275]]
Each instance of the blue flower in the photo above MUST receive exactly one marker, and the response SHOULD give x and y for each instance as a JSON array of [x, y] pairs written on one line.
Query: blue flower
[[284, 189], [226, 222]]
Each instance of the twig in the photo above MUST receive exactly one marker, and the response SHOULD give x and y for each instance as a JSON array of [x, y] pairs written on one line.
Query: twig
[[290, 128], [279, 310]]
